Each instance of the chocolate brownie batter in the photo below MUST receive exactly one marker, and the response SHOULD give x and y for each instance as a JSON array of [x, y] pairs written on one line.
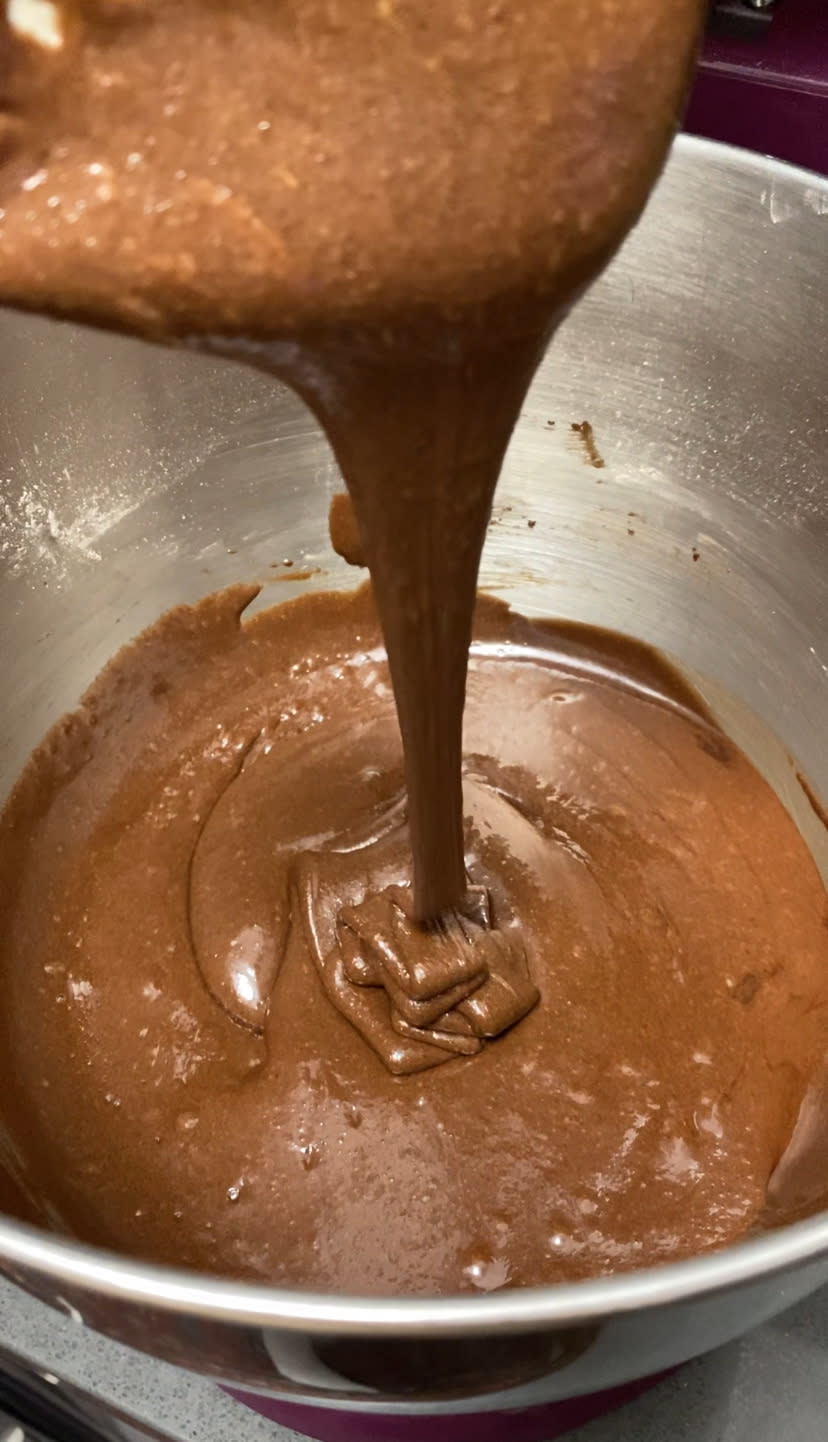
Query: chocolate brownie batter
[[390, 204], [231, 1040], [202, 1016]]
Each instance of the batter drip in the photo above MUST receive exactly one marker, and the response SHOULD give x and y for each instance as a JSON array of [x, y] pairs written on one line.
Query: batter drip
[[418, 995], [191, 851], [388, 205]]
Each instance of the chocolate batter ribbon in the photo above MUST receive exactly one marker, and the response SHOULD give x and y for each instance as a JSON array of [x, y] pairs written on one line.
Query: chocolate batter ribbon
[[448, 986], [418, 994]]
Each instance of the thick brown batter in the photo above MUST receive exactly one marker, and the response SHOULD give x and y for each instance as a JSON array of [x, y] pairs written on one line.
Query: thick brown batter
[[390, 204], [230, 1042], [275, 167], [198, 818]]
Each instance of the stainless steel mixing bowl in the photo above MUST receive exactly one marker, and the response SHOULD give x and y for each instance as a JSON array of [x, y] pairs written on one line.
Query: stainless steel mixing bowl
[[132, 479]]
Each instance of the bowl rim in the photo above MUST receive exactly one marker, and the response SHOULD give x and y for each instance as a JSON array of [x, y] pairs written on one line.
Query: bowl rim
[[26, 1252]]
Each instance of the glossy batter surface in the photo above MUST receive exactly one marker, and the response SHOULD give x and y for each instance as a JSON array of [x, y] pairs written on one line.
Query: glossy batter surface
[[182, 1080]]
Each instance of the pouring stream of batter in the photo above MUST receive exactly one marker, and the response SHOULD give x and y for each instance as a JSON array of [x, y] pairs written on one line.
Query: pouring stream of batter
[[390, 205]]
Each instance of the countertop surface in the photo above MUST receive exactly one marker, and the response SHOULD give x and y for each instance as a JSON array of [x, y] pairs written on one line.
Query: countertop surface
[[771, 1385]]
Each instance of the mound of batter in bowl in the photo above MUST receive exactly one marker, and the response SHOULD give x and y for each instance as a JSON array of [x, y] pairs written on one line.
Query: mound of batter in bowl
[[188, 959]]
